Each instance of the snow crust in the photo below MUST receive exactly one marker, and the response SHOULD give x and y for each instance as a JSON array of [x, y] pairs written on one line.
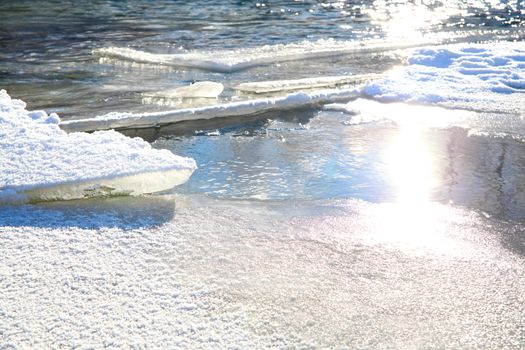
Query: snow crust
[[468, 75], [39, 161], [241, 108], [235, 275]]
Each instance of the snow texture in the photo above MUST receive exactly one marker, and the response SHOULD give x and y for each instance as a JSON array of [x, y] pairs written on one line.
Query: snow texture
[[39, 161], [475, 75], [142, 274]]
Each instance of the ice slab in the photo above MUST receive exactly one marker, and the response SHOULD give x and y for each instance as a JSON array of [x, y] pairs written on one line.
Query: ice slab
[[364, 111], [200, 89], [306, 83], [228, 61], [473, 76], [39, 161], [117, 120], [233, 60]]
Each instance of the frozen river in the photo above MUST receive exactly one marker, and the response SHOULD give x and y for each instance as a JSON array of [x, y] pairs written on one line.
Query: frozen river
[[395, 220]]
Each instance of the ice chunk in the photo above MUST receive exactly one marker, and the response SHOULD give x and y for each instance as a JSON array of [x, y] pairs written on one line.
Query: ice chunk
[[476, 76], [238, 109], [306, 83], [234, 60], [201, 93], [39, 161], [205, 89]]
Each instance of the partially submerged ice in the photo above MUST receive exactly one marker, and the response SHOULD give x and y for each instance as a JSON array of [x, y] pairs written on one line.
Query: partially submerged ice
[[228, 61], [203, 89], [116, 120], [261, 87], [39, 161]]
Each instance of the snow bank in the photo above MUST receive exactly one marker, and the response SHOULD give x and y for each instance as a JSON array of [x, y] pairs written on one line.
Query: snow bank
[[476, 75], [233, 109], [38, 161]]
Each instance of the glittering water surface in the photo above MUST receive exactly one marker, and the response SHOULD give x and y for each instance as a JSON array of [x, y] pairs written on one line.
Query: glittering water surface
[[46, 46], [399, 227]]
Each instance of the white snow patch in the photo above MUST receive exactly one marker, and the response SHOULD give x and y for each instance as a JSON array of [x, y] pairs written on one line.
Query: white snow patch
[[39, 161], [477, 76]]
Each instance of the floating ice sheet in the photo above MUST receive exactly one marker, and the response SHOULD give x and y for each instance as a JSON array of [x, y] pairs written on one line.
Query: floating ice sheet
[[234, 60], [474, 76], [38, 161], [233, 109], [200, 89], [228, 61], [261, 87], [364, 111]]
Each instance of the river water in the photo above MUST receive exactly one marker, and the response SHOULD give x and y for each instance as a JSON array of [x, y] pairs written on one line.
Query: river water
[[310, 229]]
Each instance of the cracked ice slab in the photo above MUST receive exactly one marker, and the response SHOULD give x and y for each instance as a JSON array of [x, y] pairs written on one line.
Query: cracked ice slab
[[39, 161]]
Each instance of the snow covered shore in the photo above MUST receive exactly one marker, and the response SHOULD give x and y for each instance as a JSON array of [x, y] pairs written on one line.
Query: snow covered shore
[[39, 161]]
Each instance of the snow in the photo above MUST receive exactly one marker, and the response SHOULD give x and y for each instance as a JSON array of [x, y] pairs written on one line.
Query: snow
[[139, 273], [240, 108], [39, 161], [475, 76]]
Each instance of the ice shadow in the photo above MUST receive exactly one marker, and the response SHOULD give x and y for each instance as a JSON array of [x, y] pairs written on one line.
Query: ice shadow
[[119, 212], [241, 124]]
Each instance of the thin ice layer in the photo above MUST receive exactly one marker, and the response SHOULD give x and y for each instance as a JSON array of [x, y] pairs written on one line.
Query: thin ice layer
[[261, 87], [39, 161], [233, 60], [475, 76], [232, 109]]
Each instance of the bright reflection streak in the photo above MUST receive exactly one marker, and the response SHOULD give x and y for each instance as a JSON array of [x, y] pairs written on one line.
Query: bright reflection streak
[[407, 21], [410, 165], [411, 220]]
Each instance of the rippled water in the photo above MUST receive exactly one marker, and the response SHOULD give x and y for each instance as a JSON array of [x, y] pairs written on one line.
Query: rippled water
[[46, 45]]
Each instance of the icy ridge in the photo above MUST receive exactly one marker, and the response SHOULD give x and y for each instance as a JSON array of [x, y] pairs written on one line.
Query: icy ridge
[[240, 108], [235, 60], [37, 157], [228, 61]]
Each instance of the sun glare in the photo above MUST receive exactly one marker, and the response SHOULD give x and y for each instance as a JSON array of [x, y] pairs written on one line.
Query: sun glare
[[410, 165]]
